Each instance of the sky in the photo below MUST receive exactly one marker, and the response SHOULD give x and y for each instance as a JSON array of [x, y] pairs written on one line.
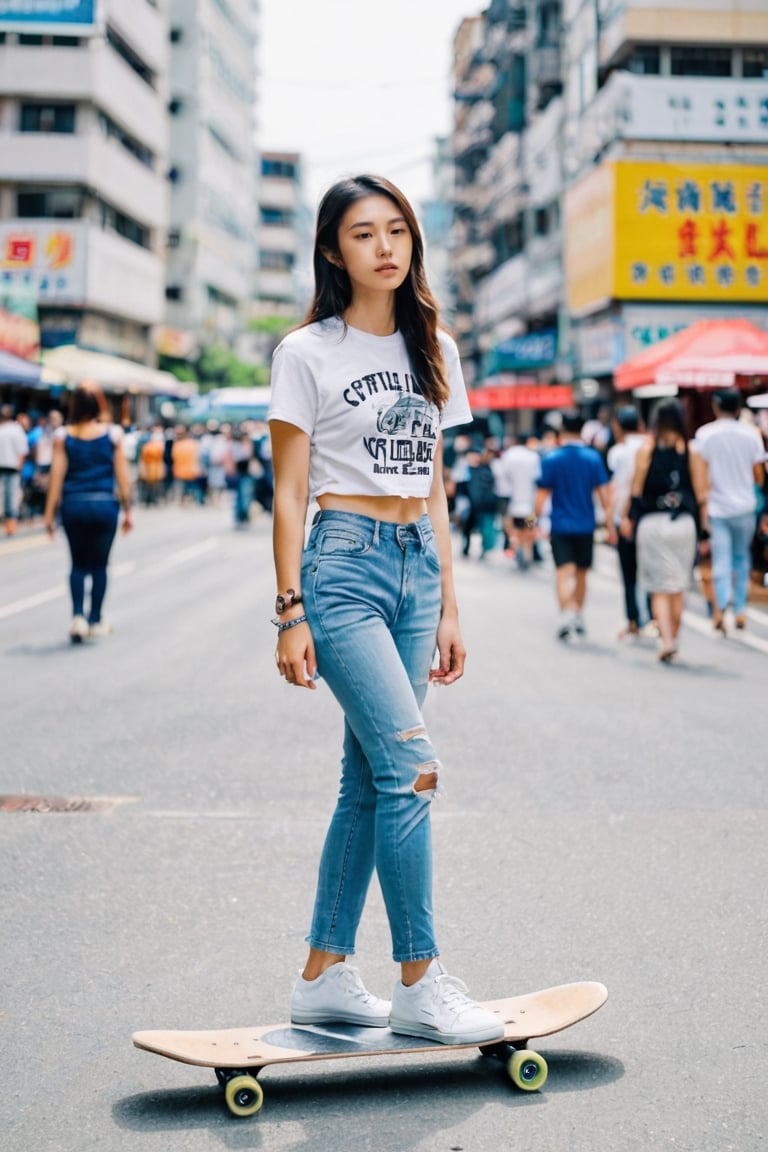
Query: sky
[[358, 85]]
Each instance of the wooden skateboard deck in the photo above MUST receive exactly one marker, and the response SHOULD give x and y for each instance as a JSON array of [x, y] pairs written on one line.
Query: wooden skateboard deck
[[238, 1054]]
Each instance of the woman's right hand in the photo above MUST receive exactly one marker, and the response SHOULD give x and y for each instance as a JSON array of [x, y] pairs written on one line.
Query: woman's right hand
[[295, 656]]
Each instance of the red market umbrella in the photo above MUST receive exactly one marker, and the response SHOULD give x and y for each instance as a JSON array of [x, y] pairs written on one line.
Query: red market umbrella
[[708, 354]]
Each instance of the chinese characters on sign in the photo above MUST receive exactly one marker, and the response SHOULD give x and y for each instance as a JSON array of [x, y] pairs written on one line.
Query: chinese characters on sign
[[691, 232]]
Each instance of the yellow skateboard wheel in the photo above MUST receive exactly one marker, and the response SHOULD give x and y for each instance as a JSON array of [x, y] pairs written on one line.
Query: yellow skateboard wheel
[[527, 1070], [244, 1095]]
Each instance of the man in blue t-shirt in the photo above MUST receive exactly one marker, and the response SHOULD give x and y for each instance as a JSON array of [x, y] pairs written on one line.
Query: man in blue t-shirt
[[570, 477]]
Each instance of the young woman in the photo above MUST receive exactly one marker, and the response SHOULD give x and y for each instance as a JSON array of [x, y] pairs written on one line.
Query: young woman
[[88, 468], [360, 393], [668, 502]]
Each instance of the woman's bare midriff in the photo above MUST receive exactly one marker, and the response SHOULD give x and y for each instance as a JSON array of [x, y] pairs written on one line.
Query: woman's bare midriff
[[393, 509]]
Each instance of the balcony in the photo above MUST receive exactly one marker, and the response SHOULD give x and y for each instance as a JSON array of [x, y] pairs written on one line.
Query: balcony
[[545, 65], [101, 165], [90, 74], [636, 21]]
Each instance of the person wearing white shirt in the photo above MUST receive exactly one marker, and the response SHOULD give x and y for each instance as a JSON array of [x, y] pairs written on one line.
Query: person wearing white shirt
[[734, 457]]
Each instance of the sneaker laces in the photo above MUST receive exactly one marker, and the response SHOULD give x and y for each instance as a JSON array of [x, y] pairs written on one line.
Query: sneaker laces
[[353, 984], [451, 992]]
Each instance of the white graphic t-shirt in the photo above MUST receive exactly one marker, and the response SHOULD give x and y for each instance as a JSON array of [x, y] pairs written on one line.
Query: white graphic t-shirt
[[371, 431]]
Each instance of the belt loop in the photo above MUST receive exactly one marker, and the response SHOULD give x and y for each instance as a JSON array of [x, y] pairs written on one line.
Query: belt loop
[[376, 534], [422, 534]]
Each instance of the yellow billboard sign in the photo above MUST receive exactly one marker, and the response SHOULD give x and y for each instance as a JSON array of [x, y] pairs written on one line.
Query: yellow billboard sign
[[678, 232]]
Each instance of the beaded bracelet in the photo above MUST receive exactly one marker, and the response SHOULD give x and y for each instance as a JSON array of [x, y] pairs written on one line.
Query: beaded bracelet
[[281, 626]]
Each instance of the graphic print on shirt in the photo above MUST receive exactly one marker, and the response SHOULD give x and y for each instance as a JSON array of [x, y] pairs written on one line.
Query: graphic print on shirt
[[406, 428]]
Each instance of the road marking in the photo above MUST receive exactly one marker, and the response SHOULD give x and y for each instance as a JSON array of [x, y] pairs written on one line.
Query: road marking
[[8, 547], [49, 594], [31, 602], [184, 556]]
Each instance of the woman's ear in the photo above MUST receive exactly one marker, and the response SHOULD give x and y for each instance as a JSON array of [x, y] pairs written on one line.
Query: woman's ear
[[333, 257]]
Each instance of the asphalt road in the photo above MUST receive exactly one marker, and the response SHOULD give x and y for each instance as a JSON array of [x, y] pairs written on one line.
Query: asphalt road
[[604, 818]]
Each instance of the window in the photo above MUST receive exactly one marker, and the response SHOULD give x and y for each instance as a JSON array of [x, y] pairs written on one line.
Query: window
[[276, 217], [276, 261], [52, 203], [174, 238], [755, 63], [645, 60], [113, 131], [174, 292], [132, 60], [175, 106], [176, 35], [125, 226], [700, 61], [47, 118], [282, 168]]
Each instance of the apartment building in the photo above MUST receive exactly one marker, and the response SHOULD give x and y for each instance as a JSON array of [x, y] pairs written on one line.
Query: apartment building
[[508, 188], [83, 171], [213, 175], [666, 155], [610, 180]]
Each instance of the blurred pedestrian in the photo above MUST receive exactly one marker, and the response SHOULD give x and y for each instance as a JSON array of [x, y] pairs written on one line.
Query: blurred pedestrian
[[241, 453], [733, 453], [152, 466], [483, 501], [185, 455], [622, 456], [667, 511], [14, 449], [360, 394], [517, 472], [571, 478], [88, 469]]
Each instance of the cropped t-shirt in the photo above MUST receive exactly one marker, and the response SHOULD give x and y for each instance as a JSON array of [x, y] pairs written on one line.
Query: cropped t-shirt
[[372, 432]]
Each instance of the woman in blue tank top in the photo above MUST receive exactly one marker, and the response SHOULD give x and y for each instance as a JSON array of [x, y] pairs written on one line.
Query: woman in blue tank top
[[88, 474]]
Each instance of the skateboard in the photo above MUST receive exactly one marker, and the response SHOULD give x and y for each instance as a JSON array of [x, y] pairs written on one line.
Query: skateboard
[[238, 1054]]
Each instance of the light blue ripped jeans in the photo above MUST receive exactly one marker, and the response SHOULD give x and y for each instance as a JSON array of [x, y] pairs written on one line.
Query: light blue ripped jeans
[[372, 596]]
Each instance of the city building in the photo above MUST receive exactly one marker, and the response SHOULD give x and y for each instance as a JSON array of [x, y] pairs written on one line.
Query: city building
[[610, 182], [666, 156], [508, 266], [83, 175], [212, 173]]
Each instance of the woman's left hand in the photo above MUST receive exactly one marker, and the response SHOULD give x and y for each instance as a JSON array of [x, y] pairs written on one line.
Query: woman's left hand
[[451, 652]]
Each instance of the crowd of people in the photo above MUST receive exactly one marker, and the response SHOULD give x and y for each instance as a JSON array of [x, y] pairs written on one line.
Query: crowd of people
[[666, 501], [197, 464], [670, 504]]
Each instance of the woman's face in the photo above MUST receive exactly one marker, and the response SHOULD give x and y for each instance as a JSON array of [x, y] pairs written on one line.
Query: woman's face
[[375, 245]]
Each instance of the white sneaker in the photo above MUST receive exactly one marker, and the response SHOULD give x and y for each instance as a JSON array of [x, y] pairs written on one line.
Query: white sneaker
[[100, 628], [78, 629], [337, 997], [438, 1008]]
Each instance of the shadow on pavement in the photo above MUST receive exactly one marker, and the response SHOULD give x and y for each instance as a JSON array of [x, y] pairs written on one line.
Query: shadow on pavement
[[408, 1104]]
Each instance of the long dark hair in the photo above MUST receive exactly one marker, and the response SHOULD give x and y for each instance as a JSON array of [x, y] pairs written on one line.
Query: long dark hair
[[668, 417], [416, 310], [88, 402]]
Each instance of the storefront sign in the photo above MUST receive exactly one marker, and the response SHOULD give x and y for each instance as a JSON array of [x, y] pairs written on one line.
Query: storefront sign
[[691, 232], [668, 231], [504, 397], [49, 258], [19, 329], [535, 350], [51, 17]]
